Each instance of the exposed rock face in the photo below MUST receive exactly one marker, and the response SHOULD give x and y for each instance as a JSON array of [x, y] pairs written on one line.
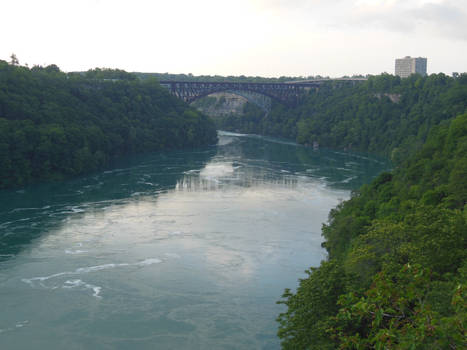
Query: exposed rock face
[[395, 98], [221, 104]]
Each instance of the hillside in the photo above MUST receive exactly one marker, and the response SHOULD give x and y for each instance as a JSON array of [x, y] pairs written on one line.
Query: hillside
[[55, 125], [386, 114], [396, 277]]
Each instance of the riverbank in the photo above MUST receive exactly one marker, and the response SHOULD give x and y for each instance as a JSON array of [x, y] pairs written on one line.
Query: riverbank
[[183, 249], [55, 125]]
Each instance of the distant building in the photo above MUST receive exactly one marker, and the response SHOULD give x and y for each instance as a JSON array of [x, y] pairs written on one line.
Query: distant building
[[410, 65]]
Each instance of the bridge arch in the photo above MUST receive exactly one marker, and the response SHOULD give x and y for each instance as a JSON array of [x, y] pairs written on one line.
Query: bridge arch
[[284, 93], [287, 93]]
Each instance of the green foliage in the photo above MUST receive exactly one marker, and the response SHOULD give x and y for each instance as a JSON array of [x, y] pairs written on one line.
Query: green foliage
[[109, 74], [401, 245], [304, 324], [55, 125], [396, 313], [216, 78], [205, 102], [249, 122], [385, 114]]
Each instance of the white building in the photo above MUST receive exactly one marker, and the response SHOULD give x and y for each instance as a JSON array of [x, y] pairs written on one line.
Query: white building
[[410, 65]]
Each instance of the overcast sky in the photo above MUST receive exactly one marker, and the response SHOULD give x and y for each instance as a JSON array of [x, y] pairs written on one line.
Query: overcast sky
[[235, 37]]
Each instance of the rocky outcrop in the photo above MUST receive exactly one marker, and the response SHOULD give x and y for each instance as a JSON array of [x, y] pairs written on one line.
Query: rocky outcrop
[[395, 98], [221, 104]]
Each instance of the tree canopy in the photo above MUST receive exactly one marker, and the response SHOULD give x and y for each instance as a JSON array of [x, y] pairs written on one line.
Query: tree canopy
[[55, 125], [385, 114], [396, 276]]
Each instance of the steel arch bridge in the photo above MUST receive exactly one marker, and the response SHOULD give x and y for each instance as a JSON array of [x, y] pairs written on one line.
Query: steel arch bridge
[[287, 93]]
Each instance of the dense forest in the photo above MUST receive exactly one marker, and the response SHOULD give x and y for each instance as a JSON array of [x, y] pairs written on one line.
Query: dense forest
[[385, 114], [396, 276], [220, 78], [55, 125]]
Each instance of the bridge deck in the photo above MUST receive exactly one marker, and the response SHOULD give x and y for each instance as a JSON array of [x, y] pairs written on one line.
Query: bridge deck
[[284, 92]]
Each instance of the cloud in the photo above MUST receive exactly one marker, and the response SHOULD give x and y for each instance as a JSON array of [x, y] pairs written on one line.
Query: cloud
[[449, 17], [446, 18], [251, 37], [443, 18]]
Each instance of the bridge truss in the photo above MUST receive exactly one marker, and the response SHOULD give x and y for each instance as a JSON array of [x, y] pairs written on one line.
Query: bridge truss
[[286, 93]]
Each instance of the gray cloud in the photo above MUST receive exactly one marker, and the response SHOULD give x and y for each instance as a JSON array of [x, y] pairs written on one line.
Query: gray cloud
[[437, 17], [444, 18], [450, 18]]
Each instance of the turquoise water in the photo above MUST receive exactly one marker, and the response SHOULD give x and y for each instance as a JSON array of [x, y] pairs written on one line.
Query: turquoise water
[[180, 250]]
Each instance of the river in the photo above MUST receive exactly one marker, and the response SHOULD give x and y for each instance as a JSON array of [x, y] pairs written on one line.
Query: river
[[175, 250]]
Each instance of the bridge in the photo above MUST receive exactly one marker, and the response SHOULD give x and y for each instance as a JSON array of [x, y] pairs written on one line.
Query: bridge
[[287, 93]]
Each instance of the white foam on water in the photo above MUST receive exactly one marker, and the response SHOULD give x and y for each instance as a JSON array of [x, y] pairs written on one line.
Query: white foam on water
[[96, 290], [113, 171], [44, 278], [135, 194], [25, 219], [71, 284], [172, 255], [147, 183], [73, 252], [147, 262], [349, 179], [20, 324], [98, 268], [88, 269], [22, 209]]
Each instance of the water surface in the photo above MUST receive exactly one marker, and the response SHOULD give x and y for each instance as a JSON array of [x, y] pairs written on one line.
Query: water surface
[[177, 250]]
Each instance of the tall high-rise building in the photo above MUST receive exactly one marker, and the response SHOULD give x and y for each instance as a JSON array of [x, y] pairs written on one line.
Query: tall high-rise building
[[410, 65]]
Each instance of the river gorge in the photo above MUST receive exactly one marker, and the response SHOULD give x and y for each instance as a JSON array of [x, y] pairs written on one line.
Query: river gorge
[[175, 250]]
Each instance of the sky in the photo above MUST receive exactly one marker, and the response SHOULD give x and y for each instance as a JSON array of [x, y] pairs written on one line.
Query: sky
[[268, 38]]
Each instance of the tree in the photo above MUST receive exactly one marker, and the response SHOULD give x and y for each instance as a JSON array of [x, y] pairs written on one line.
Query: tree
[[396, 313], [55, 125], [14, 60]]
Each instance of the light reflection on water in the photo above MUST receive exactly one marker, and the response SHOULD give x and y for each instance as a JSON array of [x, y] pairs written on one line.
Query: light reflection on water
[[182, 250], [219, 175]]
